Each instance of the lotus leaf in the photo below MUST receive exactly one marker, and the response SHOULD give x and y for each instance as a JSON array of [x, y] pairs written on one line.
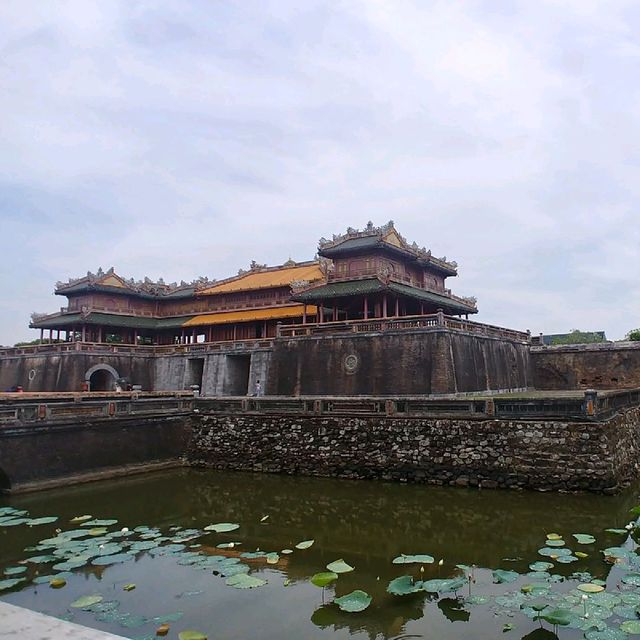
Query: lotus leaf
[[86, 601], [442, 585], [34, 522], [70, 564], [604, 599], [541, 566], [625, 611], [112, 559], [630, 598], [631, 627], [355, 601], [169, 617], [616, 552], [233, 570], [560, 617], [589, 587], [403, 586], [538, 575], [80, 518], [630, 578], [324, 578], [618, 531], [14, 571], [57, 583], [244, 581], [264, 518], [129, 587], [413, 559], [229, 545], [339, 566], [477, 600], [501, 575], [606, 634], [305, 544], [41, 559], [584, 538], [581, 554], [554, 536], [251, 555], [10, 583], [12, 522], [286, 552], [98, 531], [535, 589], [222, 527], [554, 543], [192, 635], [567, 559], [272, 558], [143, 545], [99, 523]]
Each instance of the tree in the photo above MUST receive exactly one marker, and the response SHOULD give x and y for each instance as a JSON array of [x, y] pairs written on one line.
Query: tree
[[633, 335]]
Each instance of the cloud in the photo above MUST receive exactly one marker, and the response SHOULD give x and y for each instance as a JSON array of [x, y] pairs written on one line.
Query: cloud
[[185, 139]]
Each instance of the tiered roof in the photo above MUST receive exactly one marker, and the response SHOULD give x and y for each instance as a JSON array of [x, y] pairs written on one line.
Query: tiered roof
[[385, 237]]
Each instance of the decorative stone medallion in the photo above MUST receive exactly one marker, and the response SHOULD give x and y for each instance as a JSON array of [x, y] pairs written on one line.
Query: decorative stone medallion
[[351, 363]]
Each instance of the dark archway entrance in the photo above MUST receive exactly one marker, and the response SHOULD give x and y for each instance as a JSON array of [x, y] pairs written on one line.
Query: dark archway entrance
[[101, 377], [5, 483]]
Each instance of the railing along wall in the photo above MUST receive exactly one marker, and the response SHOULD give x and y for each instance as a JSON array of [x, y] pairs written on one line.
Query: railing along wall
[[589, 406], [60, 408], [404, 323], [140, 350]]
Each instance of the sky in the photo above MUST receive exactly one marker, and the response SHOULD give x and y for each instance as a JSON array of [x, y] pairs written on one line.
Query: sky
[[178, 139]]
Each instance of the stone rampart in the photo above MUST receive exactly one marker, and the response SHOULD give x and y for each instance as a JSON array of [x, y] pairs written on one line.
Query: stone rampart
[[528, 454], [608, 365], [421, 361]]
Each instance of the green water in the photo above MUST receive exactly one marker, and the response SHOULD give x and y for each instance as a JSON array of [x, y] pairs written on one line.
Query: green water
[[365, 523]]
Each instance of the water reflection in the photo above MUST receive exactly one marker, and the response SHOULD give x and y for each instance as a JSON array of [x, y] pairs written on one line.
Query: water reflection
[[365, 523]]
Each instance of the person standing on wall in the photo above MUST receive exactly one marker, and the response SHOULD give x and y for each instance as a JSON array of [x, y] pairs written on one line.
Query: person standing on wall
[[258, 388]]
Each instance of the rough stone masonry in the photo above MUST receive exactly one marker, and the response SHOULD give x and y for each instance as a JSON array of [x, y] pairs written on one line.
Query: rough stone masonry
[[541, 455]]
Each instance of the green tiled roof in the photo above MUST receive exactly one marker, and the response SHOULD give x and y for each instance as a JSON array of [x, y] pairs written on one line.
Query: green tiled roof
[[447, 304], [110, 320], [364, 287], [340, 290]]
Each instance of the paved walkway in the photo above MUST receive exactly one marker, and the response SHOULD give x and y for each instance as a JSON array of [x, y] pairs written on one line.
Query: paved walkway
[[22, 624]]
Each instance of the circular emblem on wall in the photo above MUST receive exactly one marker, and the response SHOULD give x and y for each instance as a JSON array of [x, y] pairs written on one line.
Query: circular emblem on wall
[[32, 374], [351, 363]]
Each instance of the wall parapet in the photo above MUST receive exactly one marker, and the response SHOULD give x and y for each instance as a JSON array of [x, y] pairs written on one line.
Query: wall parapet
[[377, 325]]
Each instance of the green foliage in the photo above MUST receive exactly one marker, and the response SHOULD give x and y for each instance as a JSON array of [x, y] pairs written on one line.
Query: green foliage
[[633, 335], [576, 336]]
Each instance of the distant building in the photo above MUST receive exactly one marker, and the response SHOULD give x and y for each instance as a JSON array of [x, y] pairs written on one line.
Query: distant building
[[360, 275]]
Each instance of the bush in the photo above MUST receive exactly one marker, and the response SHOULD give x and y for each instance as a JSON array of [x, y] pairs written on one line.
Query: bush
[[634, 335]]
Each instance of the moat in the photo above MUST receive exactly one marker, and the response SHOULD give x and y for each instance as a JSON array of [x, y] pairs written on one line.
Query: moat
[[181, 571]]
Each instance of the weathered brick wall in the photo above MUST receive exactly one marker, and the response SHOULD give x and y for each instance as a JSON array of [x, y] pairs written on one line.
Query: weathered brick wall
[[397, 363], [538, 455], [610, 365]]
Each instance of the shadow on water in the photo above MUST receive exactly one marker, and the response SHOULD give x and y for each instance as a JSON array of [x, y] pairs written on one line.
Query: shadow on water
[[366, 523]]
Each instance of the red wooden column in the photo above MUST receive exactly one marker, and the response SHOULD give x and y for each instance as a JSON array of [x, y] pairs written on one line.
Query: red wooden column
[[304, 313], [384, 306], [397, 307], [321, 312], [366, 308], [84, 333]]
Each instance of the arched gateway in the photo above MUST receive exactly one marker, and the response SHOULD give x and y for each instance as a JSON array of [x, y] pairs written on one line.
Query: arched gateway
[[101, 377]]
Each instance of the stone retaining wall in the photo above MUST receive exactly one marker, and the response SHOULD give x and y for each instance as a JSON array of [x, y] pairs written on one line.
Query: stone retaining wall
[[541, 455]]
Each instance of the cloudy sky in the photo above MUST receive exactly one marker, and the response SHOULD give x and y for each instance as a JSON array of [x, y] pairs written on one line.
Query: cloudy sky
[[181, 138]]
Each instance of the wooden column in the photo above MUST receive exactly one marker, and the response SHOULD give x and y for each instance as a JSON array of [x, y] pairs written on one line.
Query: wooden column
[[304, 314], [366, 308], [321, 312], [422, 308], [211, 334], [235, 332], [335, 312], [41, 335], [397, 307], [100, 336], [84, 333], [384, 305]]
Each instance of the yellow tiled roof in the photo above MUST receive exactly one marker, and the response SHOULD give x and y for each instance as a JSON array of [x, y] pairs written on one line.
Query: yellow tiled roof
[[268, 313], [279, 277]]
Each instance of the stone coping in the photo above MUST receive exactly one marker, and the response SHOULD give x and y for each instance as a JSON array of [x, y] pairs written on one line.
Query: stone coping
[[17, 622]]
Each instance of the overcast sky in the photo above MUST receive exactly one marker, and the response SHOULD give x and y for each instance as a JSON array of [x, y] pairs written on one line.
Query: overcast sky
[[179, 139]]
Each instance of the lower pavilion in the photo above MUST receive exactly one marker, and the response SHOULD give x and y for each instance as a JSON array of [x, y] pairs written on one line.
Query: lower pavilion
[[358, 276]]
